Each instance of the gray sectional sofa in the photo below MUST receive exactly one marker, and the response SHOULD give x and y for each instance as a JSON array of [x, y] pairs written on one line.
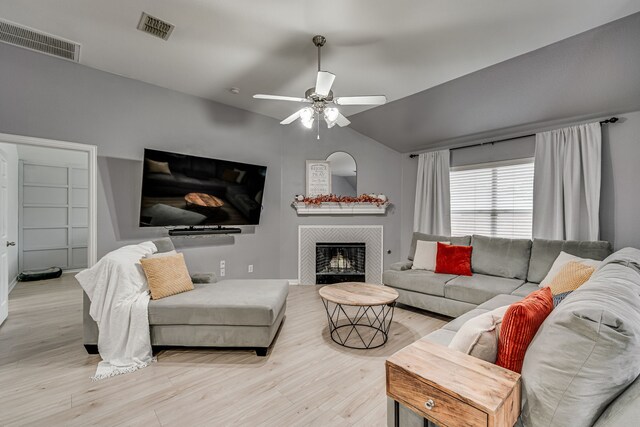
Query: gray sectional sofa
[[227, 313], [512, 267], [586, 349]]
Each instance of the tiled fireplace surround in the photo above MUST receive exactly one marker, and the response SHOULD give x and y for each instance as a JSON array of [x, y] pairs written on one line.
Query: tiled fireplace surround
[[309, 235]]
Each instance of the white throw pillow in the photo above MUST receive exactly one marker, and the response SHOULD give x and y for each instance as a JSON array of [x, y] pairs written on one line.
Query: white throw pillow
[[560, 262], [425, 256], [478, 337]]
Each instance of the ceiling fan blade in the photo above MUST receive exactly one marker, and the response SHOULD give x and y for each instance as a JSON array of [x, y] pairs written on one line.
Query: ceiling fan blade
[[324, 81], [361, 100], [292, 118], [342, 121], [280, 98]]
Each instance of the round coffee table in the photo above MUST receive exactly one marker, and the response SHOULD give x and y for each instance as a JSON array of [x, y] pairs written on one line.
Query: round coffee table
[[359, 314]]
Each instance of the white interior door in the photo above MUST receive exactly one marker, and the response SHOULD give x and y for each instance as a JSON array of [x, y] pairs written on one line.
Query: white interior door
[[4, 264]]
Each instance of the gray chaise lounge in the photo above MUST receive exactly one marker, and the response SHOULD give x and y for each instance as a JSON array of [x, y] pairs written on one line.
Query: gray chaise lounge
[[227, 313]]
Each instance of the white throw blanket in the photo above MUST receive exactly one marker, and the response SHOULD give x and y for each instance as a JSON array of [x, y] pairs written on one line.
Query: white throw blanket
[[119, 294]]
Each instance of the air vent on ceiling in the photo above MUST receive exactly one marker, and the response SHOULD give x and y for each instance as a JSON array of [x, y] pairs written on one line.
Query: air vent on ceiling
[[154, 26], [31, 39]]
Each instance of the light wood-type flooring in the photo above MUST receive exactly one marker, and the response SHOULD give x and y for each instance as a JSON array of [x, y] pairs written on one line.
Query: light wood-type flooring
[[306, 380]]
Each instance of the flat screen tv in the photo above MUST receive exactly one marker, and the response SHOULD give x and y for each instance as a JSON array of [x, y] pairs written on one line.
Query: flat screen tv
[[184, 190]]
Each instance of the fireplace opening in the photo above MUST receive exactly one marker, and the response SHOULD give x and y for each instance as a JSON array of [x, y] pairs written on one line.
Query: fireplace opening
[[340, 262]]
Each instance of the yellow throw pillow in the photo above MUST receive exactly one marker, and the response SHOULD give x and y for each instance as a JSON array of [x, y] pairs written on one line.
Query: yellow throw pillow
[[570, 277], [166, 275]]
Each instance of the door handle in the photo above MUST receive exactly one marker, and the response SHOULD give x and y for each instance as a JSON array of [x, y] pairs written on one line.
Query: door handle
[[11, 244]]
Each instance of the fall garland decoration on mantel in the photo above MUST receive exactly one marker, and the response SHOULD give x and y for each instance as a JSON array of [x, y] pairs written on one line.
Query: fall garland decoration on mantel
[[333, 198]]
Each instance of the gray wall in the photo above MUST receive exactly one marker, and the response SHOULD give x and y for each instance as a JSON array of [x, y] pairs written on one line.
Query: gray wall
[[56, 99], [590, 75], [619, 204], [11, 155], [378, 172], [619, 198]]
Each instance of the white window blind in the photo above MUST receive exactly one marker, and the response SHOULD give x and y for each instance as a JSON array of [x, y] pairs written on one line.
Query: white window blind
[[493, 199]]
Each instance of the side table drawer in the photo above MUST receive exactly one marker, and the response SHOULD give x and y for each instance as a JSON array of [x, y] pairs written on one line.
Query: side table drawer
[[430, 402]]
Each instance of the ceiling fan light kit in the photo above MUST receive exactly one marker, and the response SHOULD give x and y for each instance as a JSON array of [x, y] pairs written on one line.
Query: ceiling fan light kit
[[323, 104]]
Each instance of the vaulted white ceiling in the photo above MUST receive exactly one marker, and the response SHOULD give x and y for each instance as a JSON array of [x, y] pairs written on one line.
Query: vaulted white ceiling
[[396, 48]]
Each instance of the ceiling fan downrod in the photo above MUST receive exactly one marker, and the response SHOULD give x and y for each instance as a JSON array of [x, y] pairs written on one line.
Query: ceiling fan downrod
[[319, 41]]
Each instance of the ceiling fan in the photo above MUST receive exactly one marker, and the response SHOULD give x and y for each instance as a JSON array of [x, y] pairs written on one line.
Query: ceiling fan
[[321, 100]]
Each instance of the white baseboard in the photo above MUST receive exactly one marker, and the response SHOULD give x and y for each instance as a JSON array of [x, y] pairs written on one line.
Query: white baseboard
[[13, 284]]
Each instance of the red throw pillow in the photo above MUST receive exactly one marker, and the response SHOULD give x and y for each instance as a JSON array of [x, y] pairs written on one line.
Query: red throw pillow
[[452, 259], [519, 325]]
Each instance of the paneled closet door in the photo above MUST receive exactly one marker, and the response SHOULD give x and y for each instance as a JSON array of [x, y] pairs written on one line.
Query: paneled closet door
[[53, 216]]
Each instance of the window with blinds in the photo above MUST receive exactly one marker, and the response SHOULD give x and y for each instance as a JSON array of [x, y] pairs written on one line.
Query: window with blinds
[[493, 199]]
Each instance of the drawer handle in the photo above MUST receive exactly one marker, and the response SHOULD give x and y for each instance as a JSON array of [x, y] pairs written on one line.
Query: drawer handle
[[429, 404]]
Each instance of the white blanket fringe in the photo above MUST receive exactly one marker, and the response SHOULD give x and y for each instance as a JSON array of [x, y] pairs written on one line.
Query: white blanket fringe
[[103, 372]]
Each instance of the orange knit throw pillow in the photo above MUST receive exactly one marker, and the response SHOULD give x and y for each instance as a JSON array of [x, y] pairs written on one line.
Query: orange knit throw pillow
[[519, 326]]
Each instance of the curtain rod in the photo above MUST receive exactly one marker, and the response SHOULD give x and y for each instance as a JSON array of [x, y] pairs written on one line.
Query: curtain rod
[[603, 122]]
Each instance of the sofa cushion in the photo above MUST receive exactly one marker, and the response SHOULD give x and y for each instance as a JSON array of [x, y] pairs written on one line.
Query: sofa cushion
[[228, 302], [500, 301], [458, 241], [501, 257], [457, 323], [479, 288], [423, 281], [624, 411], [441, 336], [544, 253], [586, 352], [525, 289]]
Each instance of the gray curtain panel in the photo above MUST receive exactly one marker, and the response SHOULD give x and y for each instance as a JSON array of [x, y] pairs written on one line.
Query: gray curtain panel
[[432, 213], [566, 190]]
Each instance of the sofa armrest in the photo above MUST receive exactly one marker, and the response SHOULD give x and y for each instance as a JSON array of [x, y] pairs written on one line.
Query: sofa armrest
[[204, 278], [401, 266]]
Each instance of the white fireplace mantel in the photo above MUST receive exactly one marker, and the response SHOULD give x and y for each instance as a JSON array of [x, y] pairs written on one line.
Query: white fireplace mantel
[[336, 208], [309, 235]]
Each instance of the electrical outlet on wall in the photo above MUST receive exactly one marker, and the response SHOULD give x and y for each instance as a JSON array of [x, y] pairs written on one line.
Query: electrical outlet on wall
[[223, 264], [250, 269], [222, 272]]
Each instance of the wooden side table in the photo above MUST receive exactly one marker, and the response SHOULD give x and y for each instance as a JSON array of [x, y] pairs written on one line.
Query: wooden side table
[[450, 388]]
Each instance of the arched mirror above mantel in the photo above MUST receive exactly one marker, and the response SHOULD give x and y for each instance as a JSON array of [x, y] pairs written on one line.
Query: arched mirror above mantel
[[344, 174]]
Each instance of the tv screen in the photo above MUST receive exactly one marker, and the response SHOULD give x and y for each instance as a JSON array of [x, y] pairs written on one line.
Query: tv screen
[[183, 190]]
